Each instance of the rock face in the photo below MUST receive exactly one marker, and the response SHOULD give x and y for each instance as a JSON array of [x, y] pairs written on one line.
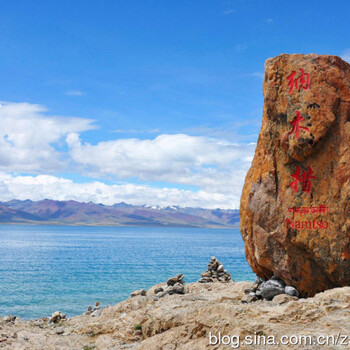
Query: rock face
[[295, 203]]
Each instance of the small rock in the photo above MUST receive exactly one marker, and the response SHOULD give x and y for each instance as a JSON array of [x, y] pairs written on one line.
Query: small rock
[[96, 313], [278, 281], [179, 288], [59, 330], [176, 289], [269, 289], [291, 291], [158, 290], [205, 280], [206, 274], [143, 292], [88, 310], [220, 268], [135, 293], [177, 279]]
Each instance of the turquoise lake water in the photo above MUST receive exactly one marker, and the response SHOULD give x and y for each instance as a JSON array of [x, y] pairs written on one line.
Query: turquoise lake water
[[49, 268]]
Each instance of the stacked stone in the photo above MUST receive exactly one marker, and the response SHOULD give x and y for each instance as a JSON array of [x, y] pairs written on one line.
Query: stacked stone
[[95, 311], [175, 285], [57, 317], [268, 290], [215, 273]]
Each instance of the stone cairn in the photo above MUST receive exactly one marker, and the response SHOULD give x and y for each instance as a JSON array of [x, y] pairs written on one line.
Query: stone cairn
[[94, 311], [268, 290], [57, 317], [175, 285], [215, 273]]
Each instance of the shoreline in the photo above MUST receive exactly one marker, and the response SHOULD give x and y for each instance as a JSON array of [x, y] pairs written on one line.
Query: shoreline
[[50, 223], [183, 321]]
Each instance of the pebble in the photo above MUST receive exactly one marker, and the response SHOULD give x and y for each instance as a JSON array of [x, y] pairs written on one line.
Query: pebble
[[142, 292]]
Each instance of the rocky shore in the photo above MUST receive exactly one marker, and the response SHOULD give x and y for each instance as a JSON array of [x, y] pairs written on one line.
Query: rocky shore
[[185, 321]]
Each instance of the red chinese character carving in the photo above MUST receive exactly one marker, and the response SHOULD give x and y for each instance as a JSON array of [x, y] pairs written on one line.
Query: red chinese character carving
[[305, 178], [296, 125], [303, 79]]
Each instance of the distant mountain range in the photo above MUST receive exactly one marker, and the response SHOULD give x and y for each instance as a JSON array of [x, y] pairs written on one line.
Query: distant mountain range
[[49, 211]]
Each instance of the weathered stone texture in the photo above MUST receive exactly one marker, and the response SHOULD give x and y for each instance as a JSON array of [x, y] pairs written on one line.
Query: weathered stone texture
[[315, 259]]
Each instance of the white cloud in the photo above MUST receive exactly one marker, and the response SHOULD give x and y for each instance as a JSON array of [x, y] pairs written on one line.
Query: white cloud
[[47, 186], [216, 167], [74, 93], [260, 75], [33, 142], [28, 136], [346, 55], [172, 158]]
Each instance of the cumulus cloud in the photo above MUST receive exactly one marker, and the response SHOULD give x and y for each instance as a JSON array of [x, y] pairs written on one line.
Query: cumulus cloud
[[196, 170], [215, 167], [47, 186], [172, 158], [28, 137]]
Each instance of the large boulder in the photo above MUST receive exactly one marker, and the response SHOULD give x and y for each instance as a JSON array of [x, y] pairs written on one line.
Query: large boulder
[[295, 204]]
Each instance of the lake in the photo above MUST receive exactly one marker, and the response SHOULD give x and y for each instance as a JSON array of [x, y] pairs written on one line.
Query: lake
[[67, 268]]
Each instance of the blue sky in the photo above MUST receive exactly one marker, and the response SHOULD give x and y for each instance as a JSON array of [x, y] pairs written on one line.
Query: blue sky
[[154, 102]]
